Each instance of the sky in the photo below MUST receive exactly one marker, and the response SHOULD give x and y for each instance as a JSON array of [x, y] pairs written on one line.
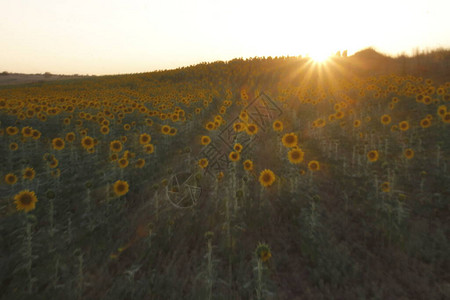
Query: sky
[[99, 37]]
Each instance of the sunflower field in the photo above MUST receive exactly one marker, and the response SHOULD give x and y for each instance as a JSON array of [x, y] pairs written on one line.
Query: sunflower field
[[265, 178]]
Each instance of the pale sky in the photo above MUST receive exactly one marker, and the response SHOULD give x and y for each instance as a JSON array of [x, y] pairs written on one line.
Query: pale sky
[[111, 37]]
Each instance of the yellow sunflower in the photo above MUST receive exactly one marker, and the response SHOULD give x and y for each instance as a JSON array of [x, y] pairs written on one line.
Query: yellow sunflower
[[165, 129], [403, 125], [385, 119], [237, 147], [248, 165], [314, 165], [409, 153], [425, 123], [140, 163], [87, 142], [121, 187], [203, 163], [266, 178], [234, 156], [149, 148], [251, 129], [289, 140], [277, 125], [10, 178], [70, 137], [25, 200], [296, 155], [205, 140], [144, 139], [373, 155], [58, 144], [13, 146], [115, 146], [385, 187], [29, 173]]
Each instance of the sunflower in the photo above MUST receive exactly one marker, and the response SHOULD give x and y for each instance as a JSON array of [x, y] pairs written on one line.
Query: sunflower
[[173, 131], [123, 162], [373, 155], [277, 125], [87, 142], [115, 146], [234, 156], [238, 126], [104, 130], [140, 163], [251, 129], [53, 163], [144, 139], [121, 187], [296, 155], [29, 173], [25, 200], [314, 165], [27, 131], [12, 130], [385, 119], [248, 165], [205, 140], [263, 252], [446, 118], [266, 178], [442, 110], [126, 127], [36, 134], [409, 153], [58, 144], [10, 178], [425, 123], [357, 123], [13, 146], [114, 157], [243, 116], [165, 129], [210, 126], [289, 140], [149, 148], [385, 187], [403, 125], [70, 137], [237, 147], [203, 163]]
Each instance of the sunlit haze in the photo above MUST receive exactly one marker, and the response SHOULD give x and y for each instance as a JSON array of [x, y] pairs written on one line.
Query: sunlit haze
[[111, 37]]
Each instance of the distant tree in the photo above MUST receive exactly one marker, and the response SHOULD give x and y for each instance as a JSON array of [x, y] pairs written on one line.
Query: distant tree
[[338, 54], [4, 73], [47, 74], [344, 53]]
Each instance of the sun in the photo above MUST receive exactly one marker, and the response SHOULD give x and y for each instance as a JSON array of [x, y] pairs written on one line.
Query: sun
[[319, 57]]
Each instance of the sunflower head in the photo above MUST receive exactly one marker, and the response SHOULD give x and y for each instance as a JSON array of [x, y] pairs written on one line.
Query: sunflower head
[[25, 200], [409, 153], [234, 156], [121, 187], [205, 140], [263, 252], [248, 165], [203, 163], [289, 140], [314, 165], [266, 178], [58, 144], [29, 173], [295, 156], [373, 155], [10, 178], [277, 125]]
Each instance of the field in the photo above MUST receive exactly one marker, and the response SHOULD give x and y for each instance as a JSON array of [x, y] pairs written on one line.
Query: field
[[266, 178]]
